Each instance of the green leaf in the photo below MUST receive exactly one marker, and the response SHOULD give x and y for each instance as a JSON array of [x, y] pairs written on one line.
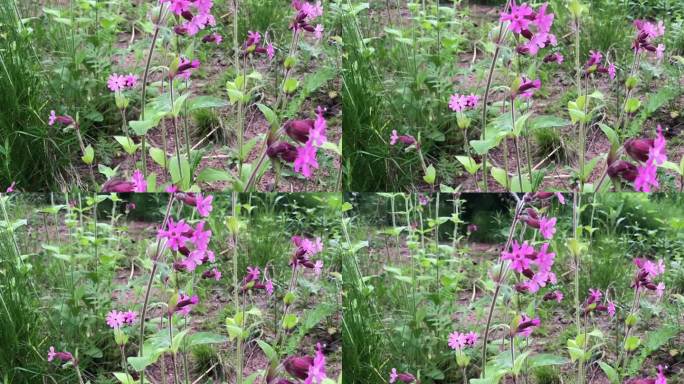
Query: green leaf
[[632, 105], [142, 362], [159, 157], [269, 115], [178, 104], [127, 143], [519, 360], [141, 127], [632, 343], [124, 378], [268, 351], [610, 372], [290, 321], [202, 338], [180, 175], [89, 155], [107, 171], [469, 164], [481, 147], [545, 359], [430, 175], [290, 86], [202, 102], [548, 121], [500, 176], [610, 134], [178, 339], [210, 175]]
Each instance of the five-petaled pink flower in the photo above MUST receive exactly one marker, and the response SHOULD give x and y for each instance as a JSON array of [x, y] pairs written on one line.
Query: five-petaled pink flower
[[204, 205], [518, 18], [518, 255], [547, 227]]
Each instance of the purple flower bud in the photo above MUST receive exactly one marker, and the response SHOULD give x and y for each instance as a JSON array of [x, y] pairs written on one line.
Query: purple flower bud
[[622, 169], [118, 186], [298, 366], [282, 150], [298, 130], [638, 149]]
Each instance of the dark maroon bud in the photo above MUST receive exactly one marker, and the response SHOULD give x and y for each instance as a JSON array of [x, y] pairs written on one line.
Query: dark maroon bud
[[260, 50], [183, 250], [308, 28], [532, 222], [523, 50], [406, 378], [526, 32], [298, 366], [66, 120], [298, 130], [187, 15], [407, 139], [180, 266], [623, 169], [638, 149], [550, 296], [118, 186], [649, 47], [282, 150], [543, 195], [528, 273], [188, 198], [522, 288]]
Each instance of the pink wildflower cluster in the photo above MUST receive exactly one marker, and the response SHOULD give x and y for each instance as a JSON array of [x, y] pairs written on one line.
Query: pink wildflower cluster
[[251, 46], [306, 14], [64, 120], [535, 26], [407, 140], [403, 377], [545, 225], [196, 13], [593, 303], [646, 33], [647, 271], [251, 281], [197, 200], [649, 154], [193, 244], [309, 132], [117, 319], [118, 83], [136, 184], [593, 65], [305, 248], [459, 341], [459, 103], [535, 266]]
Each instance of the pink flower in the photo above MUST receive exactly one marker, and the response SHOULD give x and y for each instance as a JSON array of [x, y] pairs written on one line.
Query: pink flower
[[131, 80], [457, 340], [306, 160], [316, 373], [139, 182], [53, 117], [646, 177], [611, 308], [130, 317], [185, 303], [116, 83], [176, 234], [660, 50], [185, 68], [661, 379], [527, 325], [171, 189], [594, 296], [595, 58], [269, 287], [204, 205], [213, 38], [611, 71], [318, 31], [527, 87], [317, 134], [66, 119], [115, 319], [555, 295], [394, 137], [547, 227], [457, 102], [660, 289], [543, 20], [61, 356], [270, 51], [657, 153], [393, 376], [471, 338], [560, 198], [213, 273], [253, 274], [519, 256], [545, 260], [318, 267], [10, 189], [200, 238], [518, 17], [555, 57]]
